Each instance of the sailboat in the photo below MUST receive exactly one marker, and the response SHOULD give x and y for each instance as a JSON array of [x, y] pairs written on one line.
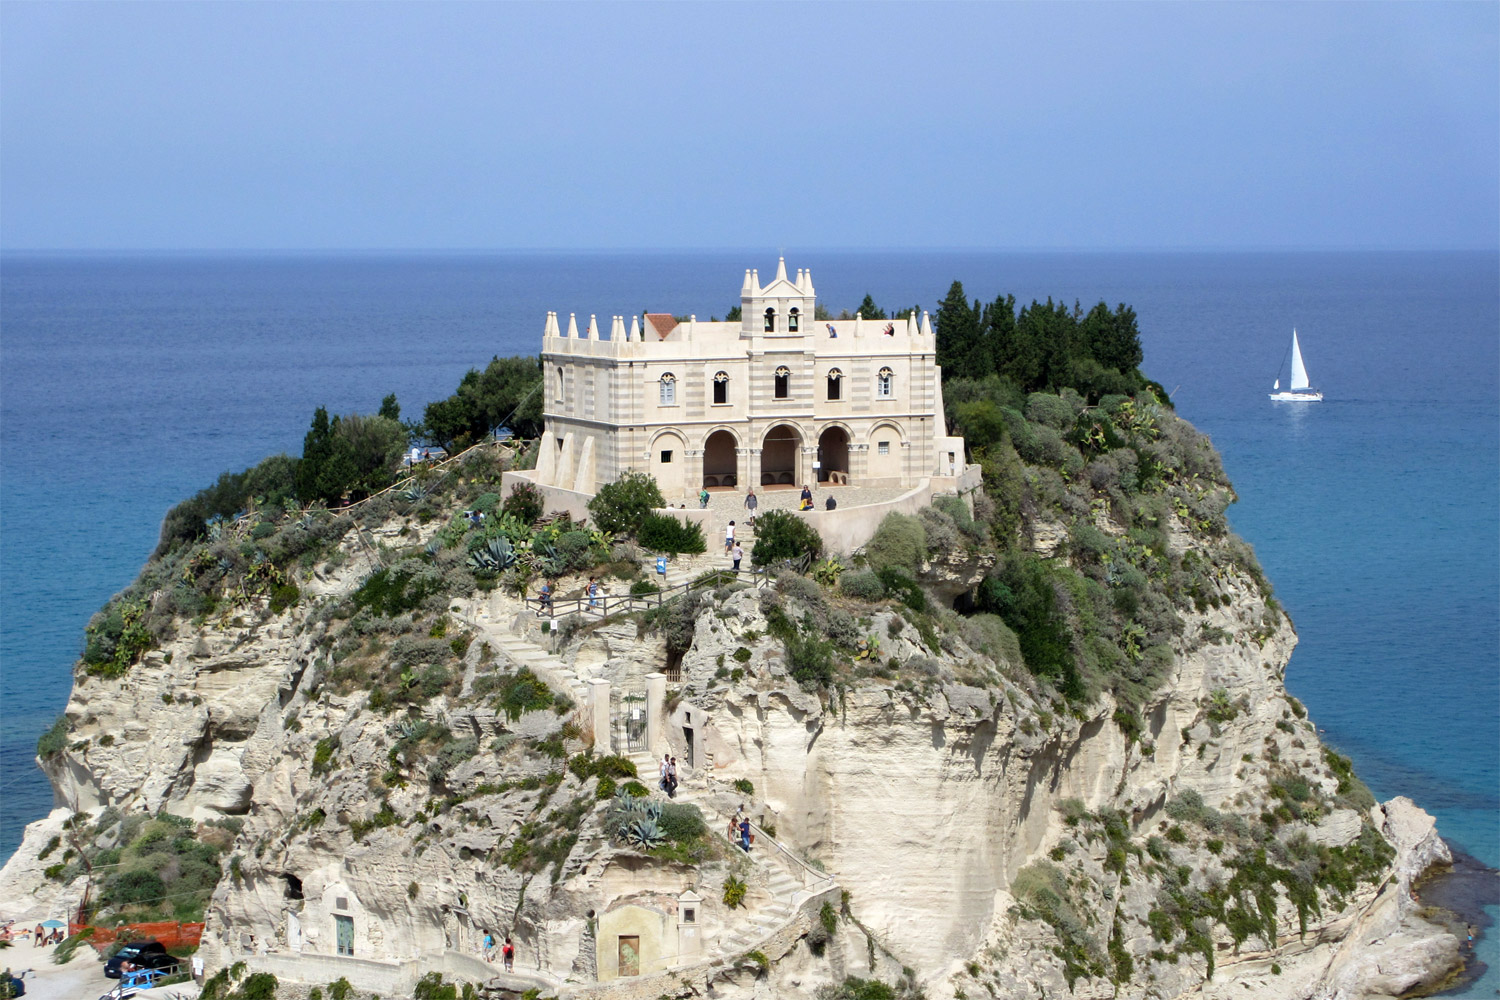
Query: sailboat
[[1298, 391]]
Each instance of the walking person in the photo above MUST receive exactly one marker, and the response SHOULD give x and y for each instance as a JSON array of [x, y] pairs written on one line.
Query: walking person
[[729, 538], [672, 778], [662, 771], [509, 953], [703, 498], [738, 553], [746, 837], [489, 947], [593, 592], [545, 610], [752, 502]]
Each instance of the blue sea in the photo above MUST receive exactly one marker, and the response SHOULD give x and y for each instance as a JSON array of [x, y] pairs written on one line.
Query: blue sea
[[130, 382]]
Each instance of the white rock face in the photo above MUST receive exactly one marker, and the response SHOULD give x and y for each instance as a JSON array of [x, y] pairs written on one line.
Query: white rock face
[[926, 799]]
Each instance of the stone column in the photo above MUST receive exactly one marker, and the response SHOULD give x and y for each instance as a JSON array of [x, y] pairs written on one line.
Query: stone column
[[599, 705], [656, 713]]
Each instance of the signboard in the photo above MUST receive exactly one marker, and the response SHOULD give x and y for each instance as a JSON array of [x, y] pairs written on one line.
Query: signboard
[[661, 565]]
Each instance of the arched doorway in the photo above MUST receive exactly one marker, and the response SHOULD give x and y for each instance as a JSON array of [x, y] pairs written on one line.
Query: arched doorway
[[833, 456], [778, 456], [720, 463]]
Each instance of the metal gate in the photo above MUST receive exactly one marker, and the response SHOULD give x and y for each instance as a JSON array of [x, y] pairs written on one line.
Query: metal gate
[[635, 727]]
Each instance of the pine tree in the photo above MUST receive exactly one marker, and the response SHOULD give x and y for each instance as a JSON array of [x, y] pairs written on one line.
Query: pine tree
[[869, 310]]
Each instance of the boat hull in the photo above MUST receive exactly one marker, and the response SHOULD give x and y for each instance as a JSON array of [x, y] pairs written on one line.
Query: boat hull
[[1297, 397]]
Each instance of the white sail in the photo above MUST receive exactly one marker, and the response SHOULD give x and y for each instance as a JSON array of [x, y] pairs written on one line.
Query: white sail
[[1299, 371], [1276, 384]]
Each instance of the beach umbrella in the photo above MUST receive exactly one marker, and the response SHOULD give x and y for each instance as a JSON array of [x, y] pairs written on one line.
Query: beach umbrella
[[53, 923]]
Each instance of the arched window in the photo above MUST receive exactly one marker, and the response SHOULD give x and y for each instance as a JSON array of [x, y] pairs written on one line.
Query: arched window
[[669, 389], [783, 382], [791, 320], [835, 383], [559, 385], [721, 387], [883, 383], [770, 320]]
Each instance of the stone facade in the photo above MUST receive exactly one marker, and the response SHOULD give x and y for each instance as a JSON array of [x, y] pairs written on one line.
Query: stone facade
[[775, 398]]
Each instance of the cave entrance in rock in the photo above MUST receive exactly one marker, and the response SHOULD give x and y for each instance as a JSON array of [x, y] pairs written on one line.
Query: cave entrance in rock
[[720, 460], [778, 456], [833, 457]]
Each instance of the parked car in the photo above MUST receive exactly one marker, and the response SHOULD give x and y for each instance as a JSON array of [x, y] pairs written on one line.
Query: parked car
[[141, 954]]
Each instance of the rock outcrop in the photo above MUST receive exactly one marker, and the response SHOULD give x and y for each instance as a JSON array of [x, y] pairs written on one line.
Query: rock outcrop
[[990, 836]]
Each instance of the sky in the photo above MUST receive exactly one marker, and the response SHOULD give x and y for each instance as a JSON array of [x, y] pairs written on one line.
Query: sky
[[240, 126]]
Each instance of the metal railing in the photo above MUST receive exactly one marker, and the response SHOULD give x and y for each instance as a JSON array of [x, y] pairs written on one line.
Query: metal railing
[[609, 605]]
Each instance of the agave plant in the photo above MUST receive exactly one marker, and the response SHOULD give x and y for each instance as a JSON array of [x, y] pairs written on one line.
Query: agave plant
[[417, 492], [495, 557], [645, 832]]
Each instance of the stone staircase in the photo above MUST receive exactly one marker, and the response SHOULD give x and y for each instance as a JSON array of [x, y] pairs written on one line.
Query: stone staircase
[[785, 878]]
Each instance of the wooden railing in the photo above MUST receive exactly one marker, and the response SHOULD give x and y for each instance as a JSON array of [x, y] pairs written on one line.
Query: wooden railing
[[610, 605]]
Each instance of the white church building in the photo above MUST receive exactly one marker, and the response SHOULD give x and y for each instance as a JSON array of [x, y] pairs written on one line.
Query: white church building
[[776, 398]]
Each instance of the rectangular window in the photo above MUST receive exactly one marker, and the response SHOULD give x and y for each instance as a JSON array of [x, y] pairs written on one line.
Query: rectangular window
[[666, 458], [883, 387], [689, 915], [344, 934], [883, 448], [721, 391], [833, 387], [669, 394], [783, 386]]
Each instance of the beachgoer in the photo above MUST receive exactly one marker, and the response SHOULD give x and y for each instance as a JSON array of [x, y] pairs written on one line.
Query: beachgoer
[[751, 503], [509, 951], [593, 592], [703, 498], [728, 538], [738, 553]]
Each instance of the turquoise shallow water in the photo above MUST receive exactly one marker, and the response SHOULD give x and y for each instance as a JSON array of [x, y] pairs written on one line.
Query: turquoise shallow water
[[126, 383]]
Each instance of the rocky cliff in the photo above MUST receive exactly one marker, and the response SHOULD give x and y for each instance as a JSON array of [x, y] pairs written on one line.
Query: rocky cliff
[[395, 777]]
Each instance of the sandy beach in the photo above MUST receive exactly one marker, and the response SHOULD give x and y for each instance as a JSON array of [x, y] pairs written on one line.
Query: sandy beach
[[81, 979]]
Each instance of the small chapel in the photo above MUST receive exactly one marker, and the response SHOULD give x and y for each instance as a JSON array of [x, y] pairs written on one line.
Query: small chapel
[[775, 398]]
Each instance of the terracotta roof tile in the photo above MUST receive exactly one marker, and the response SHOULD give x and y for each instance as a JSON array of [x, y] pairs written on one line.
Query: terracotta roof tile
[[662, 323]]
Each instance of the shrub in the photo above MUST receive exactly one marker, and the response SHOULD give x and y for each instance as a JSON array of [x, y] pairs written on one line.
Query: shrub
[[54, 740], [394, 591], [642, 588], [810, 658], [780, 534], [621, 506], [283, 597], [900, 541], [322, 760], [862, 586], [522, 692], [665, 533], [902, 587], [744, 786], [734, 892], [486, 503], [682, 822]]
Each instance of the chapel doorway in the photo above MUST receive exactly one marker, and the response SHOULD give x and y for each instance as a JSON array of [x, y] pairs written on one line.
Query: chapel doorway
[[778, 456], [833, 457], [720, 460]]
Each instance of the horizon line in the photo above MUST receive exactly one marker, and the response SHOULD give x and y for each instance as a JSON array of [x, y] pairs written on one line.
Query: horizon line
[[742, 248]]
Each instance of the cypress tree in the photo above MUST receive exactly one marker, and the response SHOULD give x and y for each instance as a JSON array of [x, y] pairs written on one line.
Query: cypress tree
[[957, 334]]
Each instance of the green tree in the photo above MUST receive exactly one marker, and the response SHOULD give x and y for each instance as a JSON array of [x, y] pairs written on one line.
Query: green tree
[[734, 315], [869, 310], [621, 506], [389, 408], [999, 339], [958, 337], [780, 534], [506, 394], [317, 449]]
